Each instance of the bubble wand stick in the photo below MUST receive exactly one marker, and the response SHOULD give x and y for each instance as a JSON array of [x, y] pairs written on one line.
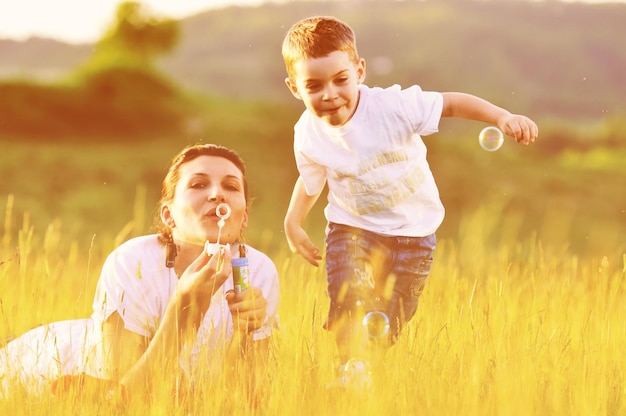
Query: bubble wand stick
[[223, 212], [241, 275]]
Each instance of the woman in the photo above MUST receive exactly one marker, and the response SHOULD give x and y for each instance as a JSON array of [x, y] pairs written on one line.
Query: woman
[[164, 306]]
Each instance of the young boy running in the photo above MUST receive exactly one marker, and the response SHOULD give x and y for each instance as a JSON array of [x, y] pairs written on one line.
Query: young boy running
[[383, 205]]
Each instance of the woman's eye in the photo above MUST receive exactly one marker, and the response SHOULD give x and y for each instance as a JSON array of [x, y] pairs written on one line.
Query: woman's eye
[[197, 185], [232, 187]]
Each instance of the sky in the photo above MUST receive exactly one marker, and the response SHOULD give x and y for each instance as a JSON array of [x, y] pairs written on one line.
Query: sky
[[84, 21]]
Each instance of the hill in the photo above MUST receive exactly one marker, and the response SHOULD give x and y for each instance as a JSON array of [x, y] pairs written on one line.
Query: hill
[[113, 102], [40, 58], [547, 59], [76, 148]]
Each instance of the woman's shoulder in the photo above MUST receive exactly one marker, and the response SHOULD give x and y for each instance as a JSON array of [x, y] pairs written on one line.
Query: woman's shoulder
[[142, 257], [143, 242], [256, 253], [142, 246], [259, 257]]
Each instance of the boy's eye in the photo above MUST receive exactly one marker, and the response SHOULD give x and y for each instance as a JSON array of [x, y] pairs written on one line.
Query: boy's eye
[[313, 87], [342, 80]]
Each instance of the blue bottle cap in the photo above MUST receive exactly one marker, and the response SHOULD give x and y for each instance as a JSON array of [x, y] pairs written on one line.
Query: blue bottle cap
[[240, 262]]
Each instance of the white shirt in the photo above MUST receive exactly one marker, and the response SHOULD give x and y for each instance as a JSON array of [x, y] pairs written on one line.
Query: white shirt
[[375, 164], [135, 283]]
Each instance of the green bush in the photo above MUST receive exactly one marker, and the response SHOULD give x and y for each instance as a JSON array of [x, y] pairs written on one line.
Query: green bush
[[116, 102]]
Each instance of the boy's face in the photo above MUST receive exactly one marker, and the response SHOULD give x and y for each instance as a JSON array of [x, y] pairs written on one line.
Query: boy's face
[[328, 86]]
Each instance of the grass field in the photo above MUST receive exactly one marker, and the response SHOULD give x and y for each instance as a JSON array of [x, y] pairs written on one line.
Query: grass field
[[519, 330], [523, 313]]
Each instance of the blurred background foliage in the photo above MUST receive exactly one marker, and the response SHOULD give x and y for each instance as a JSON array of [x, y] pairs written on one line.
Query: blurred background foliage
[[88, 130]]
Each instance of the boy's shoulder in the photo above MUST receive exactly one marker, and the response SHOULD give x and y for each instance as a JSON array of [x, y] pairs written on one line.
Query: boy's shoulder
[[376, 90], [394, 90], [397, 100]]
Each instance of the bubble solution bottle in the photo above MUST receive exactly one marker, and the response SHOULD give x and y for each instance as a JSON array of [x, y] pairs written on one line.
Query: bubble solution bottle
[[241, 274]]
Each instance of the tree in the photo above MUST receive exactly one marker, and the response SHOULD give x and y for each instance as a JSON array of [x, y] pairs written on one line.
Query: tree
[[136, 37]]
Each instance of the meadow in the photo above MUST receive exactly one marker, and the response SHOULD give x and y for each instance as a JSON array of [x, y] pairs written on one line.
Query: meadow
[[518, 330], [523, 312]]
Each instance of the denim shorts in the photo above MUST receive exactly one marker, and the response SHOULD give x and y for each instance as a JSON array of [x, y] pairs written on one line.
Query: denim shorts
[[380, 273]]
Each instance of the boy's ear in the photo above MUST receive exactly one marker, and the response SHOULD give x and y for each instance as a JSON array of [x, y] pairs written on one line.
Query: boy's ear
[[360, 71], [293, 88]]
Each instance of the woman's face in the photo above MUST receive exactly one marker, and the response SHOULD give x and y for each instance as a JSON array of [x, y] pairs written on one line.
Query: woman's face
[[205, 182]]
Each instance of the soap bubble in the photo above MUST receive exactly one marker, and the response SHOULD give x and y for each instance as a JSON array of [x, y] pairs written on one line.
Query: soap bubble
[[491, 138], [376, 323]]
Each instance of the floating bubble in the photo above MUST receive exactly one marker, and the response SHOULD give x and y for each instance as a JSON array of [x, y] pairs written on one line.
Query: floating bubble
[[376, 323], [491, 138]]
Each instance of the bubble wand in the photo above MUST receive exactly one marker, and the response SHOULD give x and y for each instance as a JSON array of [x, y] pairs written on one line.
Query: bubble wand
[[223, 212], [241, 276]]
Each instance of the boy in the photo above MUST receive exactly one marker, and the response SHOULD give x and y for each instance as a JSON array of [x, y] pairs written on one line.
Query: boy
[[383, 205]]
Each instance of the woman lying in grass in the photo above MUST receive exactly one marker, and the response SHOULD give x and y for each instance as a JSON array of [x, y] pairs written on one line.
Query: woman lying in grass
[[165, 312]]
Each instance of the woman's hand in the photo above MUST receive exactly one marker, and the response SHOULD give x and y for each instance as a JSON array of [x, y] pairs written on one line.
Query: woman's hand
[[203, 277], [248, 309]]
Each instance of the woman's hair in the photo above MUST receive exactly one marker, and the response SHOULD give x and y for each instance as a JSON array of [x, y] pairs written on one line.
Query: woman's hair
[[173, 176], [316, 37]]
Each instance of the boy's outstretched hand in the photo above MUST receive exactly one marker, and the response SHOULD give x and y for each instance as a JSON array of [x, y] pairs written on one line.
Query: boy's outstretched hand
[[471, 107], [300, 243], [521, 128]]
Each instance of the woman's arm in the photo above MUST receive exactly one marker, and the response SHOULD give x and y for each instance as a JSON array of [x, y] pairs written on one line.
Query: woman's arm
[[121, 347], [136, 366]]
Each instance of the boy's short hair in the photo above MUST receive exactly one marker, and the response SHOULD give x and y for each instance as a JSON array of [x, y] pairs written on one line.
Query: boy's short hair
[[316, 37]]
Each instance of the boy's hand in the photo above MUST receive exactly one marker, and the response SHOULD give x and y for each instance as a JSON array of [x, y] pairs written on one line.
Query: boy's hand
[[521, 128], [300, 243]]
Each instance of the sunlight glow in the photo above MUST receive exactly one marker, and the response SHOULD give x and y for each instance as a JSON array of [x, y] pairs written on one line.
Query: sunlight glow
[[79, 21]]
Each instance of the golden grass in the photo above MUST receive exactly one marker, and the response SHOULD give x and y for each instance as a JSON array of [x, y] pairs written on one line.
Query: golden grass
[[517, 330]]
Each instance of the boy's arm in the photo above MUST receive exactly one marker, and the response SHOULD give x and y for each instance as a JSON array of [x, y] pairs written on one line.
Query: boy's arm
[[299, 207], [467, 106]]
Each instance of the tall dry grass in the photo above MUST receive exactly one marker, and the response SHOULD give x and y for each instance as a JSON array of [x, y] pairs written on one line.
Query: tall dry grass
[[518, 329]]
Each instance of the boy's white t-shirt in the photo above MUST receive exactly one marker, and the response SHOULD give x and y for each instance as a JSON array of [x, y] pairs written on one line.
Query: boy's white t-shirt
[[375, 164]]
